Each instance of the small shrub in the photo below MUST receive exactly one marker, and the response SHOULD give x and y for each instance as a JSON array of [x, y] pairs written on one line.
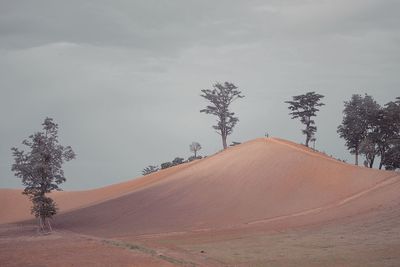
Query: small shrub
[[177, 161], [166, 165], [150, 169]]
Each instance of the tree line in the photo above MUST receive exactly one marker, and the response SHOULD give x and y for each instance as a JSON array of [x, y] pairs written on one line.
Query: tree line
[[369, 129], [372, 130]]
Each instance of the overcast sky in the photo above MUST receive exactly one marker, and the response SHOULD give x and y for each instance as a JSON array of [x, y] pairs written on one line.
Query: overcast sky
[[122, 78]]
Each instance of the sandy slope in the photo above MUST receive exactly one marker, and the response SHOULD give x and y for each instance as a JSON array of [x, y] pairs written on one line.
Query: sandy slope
[[16, 207], [253, 182], [256, 182], [265, 202]]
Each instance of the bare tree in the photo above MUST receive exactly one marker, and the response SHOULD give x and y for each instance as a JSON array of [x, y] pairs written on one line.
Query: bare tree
[[220, 97], [40, 169], [195, 147]]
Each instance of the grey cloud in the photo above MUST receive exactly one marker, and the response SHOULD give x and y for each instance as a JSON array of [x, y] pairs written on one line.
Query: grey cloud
[[156, 25], [167, 26]]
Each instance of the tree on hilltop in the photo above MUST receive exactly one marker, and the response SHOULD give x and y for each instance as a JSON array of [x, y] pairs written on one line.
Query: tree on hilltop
[[359, 114], [220, 97], [195, 147], [305, 107], [386, 133]]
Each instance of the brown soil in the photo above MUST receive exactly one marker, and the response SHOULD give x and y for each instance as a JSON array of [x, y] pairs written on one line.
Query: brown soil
[[268, 202]]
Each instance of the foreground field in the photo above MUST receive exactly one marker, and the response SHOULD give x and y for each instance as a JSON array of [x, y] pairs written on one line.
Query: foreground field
[[24, 246], [268, 202], [370, 239], [367, 240]]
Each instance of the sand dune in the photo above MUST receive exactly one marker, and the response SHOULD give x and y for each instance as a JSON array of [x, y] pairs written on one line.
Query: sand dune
[[254, 182], [16, 207], [234, 203], [261, 180]]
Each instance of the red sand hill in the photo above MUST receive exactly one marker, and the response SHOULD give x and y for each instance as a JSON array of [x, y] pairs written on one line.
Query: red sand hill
[[259, 181]]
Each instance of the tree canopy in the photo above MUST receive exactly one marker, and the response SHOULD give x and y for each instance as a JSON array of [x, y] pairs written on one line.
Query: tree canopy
[[305, 107], [220, 98], [386, 134], [358, 116], [40, 168]]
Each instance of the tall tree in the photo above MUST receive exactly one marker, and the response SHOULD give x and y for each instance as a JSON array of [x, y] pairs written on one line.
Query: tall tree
[[385, 130], [305, 107], [391, 160], [40, 169], [195, 147], [220, 98], [358, 116]]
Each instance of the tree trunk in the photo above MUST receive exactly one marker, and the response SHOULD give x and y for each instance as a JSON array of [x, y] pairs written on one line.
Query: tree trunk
[[371, 162], [224, 141], [49, 225], [223, 136], [42, 223], [357, 157], [308, 135], [381, 165], [195, 152], [382, 154]]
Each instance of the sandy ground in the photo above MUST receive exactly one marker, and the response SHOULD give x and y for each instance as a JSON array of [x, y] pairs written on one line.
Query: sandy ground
[[268, 202], [369, 239], [15, 207], [24, 246], [260, 180]]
